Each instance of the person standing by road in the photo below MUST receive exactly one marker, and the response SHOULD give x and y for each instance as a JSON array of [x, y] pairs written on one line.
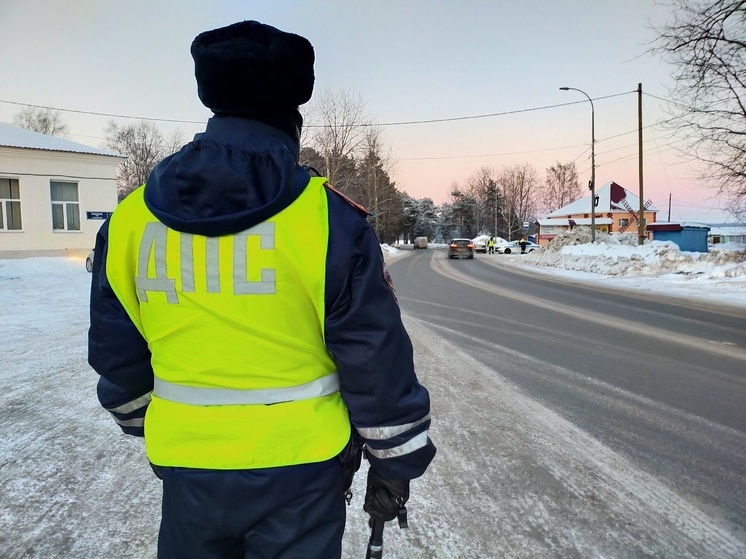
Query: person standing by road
[[524, 244], [491, 246], [244, 323]]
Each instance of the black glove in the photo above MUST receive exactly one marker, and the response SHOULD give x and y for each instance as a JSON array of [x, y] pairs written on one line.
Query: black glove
[[385, 497]]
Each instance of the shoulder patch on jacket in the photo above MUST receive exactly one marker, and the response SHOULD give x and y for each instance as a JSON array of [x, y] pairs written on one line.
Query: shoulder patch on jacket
[[349, 200]]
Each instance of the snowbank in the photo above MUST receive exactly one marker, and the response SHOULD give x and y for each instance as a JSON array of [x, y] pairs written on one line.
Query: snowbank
[[620, 255]]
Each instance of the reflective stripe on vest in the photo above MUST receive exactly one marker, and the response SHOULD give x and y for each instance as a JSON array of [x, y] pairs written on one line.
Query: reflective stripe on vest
[[199, 396]]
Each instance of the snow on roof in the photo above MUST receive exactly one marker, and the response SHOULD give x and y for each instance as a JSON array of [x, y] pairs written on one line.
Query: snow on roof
[[728, 230], [557, 222], [17, 137], [611, 198]]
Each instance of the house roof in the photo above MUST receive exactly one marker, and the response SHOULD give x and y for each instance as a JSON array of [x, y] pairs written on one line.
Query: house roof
[[728, 230], [611, 198], [17, 137], [675, 226]]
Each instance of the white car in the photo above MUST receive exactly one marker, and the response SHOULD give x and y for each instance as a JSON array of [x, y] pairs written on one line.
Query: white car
[[515, 247]]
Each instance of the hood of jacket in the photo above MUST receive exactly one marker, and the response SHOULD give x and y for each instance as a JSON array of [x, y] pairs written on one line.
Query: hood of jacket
[[236, 174]]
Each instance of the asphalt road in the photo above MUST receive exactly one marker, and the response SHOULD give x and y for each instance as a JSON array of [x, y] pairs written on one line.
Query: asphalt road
[[661, 383]]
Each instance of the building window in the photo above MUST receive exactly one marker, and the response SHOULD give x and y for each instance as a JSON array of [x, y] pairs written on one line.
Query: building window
[[10, 205], [65, 206], [623, 222]]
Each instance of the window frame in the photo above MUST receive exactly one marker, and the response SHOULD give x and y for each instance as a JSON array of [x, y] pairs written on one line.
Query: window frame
[[6, 203], [65, 211]]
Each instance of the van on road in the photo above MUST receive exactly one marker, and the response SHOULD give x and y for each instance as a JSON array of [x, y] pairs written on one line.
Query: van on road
[[420, 242]]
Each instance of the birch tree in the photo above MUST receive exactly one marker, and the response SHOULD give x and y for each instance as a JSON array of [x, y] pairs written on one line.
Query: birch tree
[[561, 187], [518, 186], [338, 134]]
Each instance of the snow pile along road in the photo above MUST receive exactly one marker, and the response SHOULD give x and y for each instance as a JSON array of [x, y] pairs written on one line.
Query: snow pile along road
[[619, 255]]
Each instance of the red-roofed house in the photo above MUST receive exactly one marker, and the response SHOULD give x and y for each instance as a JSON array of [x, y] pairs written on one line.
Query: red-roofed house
[[616, 212]]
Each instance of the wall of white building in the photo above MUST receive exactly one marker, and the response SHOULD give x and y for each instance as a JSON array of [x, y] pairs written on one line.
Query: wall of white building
[[34, 169]]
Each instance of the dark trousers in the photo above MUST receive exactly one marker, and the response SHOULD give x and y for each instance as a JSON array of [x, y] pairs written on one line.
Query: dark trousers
[[277, 513]]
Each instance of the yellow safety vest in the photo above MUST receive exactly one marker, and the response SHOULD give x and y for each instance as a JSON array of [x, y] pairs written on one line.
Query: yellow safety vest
[[235, 326]]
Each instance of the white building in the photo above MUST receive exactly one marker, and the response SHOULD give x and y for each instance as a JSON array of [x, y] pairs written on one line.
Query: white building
[[54, 194]]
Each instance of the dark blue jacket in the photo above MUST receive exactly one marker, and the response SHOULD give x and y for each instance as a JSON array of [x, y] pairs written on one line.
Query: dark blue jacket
[[234, 175]]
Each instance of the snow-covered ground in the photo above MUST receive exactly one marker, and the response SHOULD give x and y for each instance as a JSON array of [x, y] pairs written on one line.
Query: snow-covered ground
[[72, 486]]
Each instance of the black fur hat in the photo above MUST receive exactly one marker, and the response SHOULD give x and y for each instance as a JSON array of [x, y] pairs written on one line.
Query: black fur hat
[[254, 70]]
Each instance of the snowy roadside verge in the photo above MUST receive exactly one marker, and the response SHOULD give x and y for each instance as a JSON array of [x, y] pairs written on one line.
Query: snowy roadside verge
[[658, 268]]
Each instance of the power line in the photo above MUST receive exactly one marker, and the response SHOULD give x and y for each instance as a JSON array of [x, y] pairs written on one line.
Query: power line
[[689, 108], [489, 115], [111, 115], [400, 123], [490, 154]]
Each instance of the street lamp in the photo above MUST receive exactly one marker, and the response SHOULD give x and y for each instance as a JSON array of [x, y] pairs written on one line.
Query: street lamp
[[593, 162]]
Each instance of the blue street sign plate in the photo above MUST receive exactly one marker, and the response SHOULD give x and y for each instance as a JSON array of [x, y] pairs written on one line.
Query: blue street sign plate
[[98, 215]]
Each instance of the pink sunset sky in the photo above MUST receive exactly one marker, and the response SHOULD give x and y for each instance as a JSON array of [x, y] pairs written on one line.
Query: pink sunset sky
[[409, 61]]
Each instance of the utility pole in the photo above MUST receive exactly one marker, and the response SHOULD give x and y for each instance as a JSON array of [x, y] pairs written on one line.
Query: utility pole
[[592, 185], [669, 208], [641, 221]]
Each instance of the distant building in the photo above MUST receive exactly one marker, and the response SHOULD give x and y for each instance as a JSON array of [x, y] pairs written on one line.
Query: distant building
[[616, 212], [54, 194], [720, 234]]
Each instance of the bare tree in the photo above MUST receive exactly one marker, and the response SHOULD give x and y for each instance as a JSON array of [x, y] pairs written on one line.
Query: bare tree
[[44, 121], [144, 145], [706, 43], [561, 188], [338, 133], [518, 186]]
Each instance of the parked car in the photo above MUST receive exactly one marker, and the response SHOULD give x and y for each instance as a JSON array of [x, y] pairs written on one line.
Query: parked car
[[460, 247], [420, 242], [480, 243], [480, 246], [515, 247], [89, 262]]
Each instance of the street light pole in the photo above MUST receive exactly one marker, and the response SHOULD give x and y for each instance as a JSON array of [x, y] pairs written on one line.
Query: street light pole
[[593, 161]]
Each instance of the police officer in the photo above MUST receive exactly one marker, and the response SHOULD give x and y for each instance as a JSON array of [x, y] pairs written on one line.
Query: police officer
[[243, 322]]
